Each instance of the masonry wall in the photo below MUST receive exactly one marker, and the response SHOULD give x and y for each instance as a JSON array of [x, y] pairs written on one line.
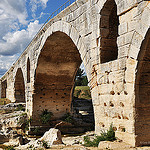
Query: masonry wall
[[112, 81]]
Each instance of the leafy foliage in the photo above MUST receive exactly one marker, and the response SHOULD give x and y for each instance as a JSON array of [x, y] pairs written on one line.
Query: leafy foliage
[[81, 79], [105, 136], [20, 107], [44, 144], [9, 148], [46, 116], [36, 131], [68, 118], [24, 122]]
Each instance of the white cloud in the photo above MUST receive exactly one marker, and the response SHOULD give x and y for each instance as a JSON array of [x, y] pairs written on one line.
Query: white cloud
[[14, 43], [15, 30], [37, 3], [6, 62], [12, 13], [13, 9], [44, 1]]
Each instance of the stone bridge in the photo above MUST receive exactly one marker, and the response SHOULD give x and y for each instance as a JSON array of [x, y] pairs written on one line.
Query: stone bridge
[[112, 39]]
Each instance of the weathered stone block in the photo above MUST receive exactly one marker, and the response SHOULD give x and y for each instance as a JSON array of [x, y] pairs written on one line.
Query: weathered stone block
[[123, 51], [125, 39], [123, 28]]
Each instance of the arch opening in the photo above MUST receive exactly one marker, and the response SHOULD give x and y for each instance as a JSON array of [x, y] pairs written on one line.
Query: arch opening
[[142, 91], [3, 88], [28, 70], [82, 106], [55, 75], [58, 63], [109, 23], [19, 87]]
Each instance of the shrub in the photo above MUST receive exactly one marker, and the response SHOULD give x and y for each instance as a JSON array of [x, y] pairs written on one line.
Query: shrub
[[37, 130], [46, 116], [105, 136], [68, 118], [44, 144], [25, 123], [78, 93], [20, 107], [9, 148]]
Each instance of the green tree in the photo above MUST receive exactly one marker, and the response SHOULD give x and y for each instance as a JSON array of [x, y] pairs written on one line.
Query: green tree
[[84, 81], [81, 78]]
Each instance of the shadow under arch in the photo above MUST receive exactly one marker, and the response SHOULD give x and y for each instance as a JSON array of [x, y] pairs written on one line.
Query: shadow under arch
[[55, 74], [19, 87], [142, 94], [28, 70], [3, 88], [109, 23]]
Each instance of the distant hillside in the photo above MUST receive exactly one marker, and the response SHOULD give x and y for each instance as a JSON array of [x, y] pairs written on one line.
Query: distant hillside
[[82, 92]]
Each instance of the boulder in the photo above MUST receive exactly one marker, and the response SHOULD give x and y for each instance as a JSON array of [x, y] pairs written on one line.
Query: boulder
[[20, 140], [52, 137], [3, 138]]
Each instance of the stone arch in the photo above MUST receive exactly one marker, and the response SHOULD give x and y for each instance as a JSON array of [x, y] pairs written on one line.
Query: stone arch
[[140, 29], [109, 23], [3, 88], [19, 86], [28, 70], [142, 90], [69, 30], [57, 65]]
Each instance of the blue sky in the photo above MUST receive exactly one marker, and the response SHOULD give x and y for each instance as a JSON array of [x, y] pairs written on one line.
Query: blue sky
[[19, 22]]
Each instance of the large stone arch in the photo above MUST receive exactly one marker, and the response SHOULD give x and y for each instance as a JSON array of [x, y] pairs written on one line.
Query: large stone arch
[[142, 96], [58, 61], [19, 86], [73, 33]]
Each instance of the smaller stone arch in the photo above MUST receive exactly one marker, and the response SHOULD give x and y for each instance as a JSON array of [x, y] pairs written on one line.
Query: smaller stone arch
[[28, 70], [109, 22], [3, 88], [19, 87]]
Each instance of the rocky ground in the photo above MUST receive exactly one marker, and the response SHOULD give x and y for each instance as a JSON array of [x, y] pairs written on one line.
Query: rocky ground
[[13, 124]]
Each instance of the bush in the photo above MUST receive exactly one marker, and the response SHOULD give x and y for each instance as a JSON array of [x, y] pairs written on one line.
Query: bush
[[25, 123], [9, 148], [37, 131], [20, 107], [105, 136], [44, 144], [68, 118], [46, 116]]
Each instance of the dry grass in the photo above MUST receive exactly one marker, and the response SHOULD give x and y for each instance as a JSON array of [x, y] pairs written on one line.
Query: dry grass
[[4, 101]]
